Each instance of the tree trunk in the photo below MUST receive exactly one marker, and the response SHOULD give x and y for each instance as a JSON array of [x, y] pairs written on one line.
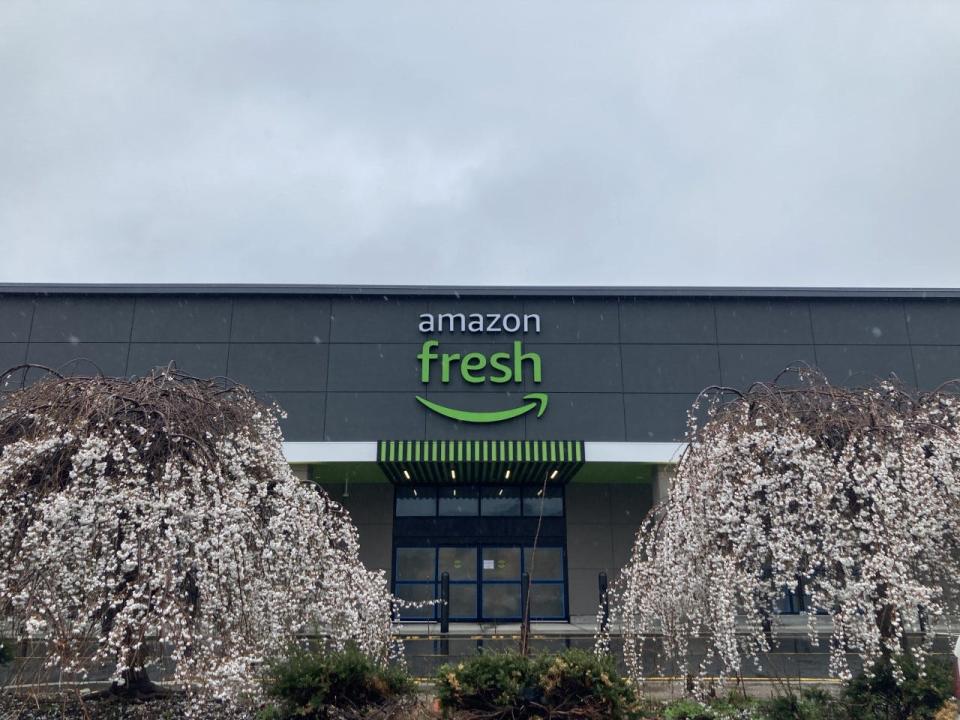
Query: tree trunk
[[136, 685]]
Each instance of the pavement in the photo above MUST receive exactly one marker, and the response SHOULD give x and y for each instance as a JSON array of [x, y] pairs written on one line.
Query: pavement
[[795, 659], [790, 626]]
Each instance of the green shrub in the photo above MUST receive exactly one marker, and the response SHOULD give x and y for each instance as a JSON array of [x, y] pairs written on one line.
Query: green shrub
[[876, 697], [809, 704], [732, 707], [307, 684], [486, 681], [512, 686], [687, 709], [880, 697]]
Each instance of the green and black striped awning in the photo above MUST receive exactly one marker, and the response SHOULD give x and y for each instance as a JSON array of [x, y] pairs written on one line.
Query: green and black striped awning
[[479, 461]]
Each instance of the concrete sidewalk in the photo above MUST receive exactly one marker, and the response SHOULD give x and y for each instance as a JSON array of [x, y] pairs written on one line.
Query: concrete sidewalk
[[790, 626]]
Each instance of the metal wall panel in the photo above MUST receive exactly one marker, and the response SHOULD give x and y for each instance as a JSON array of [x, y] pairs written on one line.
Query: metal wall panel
[[576, 368], [659, 320], [375, 367], [670, 368], [656, 417], [267, 366], [82, 319], [377, 319], [11, 355], [281, 319], [861, 364], [373, 415], [203, 360], [181, 320], [79, 359], [579, 416], [306, 412], [933, 322], [16, 316], [936, 365], [576, 320], [764, 321], [858, 322], [743, 365]]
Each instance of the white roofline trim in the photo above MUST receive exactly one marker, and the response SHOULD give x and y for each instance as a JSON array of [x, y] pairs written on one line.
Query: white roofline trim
[[313, 452], [639, 452]]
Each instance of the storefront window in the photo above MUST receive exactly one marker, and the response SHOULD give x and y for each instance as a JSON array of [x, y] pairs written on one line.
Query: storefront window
[[546, 600], [463, 601], [460, 562], [501, 563], [415, 564], [459, 501], [416, 501], [421, 594], [550, 500], [546, 564], [501, 600], [500, 501]]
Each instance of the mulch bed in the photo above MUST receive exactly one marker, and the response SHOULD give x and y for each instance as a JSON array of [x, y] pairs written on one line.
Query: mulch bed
[[70, 707], [172, 706]]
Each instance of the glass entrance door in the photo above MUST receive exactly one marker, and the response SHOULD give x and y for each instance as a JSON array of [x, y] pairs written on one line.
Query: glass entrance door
[[461, 563], [502, 570], [484, 581]]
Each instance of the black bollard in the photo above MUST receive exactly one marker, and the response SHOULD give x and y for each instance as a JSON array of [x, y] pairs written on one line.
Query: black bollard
[[445, 602], [604, 603], [525, 614]]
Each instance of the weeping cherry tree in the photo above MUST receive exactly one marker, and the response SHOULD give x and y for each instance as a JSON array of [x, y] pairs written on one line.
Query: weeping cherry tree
[[160, 513], [847, 498]]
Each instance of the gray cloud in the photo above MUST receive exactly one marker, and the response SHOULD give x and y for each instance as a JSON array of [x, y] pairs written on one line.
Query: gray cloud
[[530, 143]]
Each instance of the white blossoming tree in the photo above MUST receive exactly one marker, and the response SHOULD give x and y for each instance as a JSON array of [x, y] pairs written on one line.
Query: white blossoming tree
[[160, 513], [849, 497]]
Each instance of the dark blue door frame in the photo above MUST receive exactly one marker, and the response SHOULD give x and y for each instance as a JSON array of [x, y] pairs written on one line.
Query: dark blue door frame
[[479, 582]]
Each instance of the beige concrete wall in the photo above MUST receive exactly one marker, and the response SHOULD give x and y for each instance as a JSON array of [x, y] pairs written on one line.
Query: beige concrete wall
[[371, 508], [602, 522]]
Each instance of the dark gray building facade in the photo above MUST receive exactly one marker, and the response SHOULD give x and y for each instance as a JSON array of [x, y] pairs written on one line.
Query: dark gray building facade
[[449, 420]]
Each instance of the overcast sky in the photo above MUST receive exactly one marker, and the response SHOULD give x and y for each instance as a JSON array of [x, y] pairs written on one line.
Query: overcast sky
[[675, 143]]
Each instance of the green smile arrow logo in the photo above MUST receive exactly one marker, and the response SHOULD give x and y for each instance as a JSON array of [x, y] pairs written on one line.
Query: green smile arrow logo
[[492, 415]]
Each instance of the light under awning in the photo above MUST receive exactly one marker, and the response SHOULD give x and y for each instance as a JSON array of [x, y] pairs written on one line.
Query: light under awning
[[409, 462]]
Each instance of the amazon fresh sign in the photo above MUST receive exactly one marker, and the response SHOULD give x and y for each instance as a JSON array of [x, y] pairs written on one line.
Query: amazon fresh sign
[[477, 368]]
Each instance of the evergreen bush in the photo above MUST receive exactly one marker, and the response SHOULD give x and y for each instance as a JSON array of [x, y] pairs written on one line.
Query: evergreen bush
[[574, 683], [915, 696], [808, 704], [310, 685]]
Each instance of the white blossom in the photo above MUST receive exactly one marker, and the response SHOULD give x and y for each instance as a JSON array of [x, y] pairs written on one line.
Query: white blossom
[[853, 495], [120, 535]]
